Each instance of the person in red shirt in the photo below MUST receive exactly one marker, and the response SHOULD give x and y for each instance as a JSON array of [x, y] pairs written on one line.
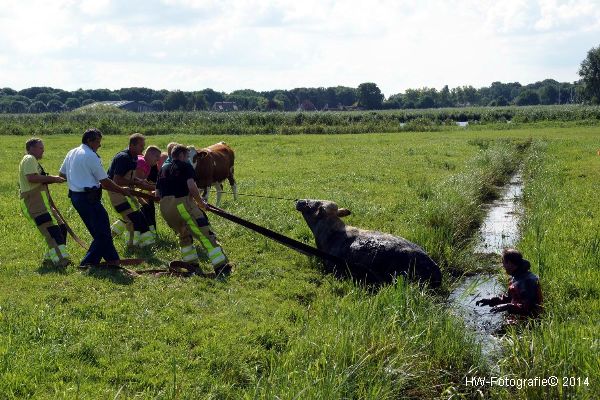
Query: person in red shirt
[[524, 296], [147, 169]]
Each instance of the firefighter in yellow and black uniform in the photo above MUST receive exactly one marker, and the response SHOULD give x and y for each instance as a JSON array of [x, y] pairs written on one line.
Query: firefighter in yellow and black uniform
[[122, 172], [35, 203], [180, 206]]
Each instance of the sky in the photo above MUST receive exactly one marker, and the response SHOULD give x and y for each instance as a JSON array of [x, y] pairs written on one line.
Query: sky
[[263, 45]]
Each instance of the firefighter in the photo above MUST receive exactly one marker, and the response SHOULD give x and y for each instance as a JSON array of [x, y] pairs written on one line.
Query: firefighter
[[36, 203], [147, 170], [182, 208], [122, 172]]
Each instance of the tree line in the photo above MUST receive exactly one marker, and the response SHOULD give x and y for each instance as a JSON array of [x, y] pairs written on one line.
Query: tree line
[[366, 96]]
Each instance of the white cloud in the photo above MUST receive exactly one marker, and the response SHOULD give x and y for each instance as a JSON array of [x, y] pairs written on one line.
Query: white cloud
[[95, 7], [229, 44]]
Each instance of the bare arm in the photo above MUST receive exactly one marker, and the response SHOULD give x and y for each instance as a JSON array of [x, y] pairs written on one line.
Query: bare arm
[[195, 193], [37, 178], [139, 173], [121, 180], [112, 186], [143, 184]]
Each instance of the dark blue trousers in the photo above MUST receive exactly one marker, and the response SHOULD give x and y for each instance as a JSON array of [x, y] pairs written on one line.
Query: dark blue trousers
[[95, 218]]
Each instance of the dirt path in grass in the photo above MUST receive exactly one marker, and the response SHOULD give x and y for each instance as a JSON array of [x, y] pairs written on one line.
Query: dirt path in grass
[[499, 230]]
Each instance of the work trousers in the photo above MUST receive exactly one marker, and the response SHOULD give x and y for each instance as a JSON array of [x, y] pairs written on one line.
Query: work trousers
[[95, 218], [35, 205], [132, 219], [149, 212], [190, 222]]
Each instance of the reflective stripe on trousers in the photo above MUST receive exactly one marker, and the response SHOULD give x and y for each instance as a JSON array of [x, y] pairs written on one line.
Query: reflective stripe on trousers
[[214, 253]]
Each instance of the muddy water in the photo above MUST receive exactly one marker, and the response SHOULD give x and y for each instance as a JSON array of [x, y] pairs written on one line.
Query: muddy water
[[499, 230]]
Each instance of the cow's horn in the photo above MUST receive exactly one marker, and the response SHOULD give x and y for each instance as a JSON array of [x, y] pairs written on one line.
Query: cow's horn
[[343, 212]]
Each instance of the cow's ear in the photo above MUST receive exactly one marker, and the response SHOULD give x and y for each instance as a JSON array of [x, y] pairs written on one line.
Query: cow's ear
[[343, 212], [202, 154]]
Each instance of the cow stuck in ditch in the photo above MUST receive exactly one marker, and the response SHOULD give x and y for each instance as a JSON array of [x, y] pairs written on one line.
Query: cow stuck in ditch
[[370, 256]]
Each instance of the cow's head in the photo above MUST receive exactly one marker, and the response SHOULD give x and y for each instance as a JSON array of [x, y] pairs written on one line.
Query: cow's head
[[195, 155], [316, 210]]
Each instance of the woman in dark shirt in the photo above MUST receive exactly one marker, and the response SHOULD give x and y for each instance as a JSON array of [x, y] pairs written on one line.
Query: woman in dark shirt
[[524, 296]]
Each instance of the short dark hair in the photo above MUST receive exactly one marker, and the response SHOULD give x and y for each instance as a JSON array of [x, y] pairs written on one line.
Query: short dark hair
[[135, 138], [90, 135], [170, 148], [32, 142], [515, 257], [177, 150]]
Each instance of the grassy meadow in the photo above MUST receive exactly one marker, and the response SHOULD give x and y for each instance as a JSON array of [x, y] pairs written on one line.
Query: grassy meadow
[[281, 328]]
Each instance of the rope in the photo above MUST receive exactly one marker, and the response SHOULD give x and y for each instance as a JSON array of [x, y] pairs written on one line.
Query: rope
[[284, 240], [259, 195]]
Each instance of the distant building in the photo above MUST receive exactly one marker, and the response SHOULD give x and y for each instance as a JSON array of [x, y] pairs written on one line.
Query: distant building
[[225, 106], [127, 105]]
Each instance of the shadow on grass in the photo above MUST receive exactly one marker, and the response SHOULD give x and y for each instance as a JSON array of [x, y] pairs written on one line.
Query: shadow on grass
[[50, 268], [115, 275]]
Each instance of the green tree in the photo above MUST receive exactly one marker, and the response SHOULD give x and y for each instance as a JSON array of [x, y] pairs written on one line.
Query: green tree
[[212, 96], [589, 72], [196, 102], [55, 106], [527, 97], [37, 107], [426, 102], [175, 101], [72, 103], [158, 105], [548, 94], [369, 96], [18, 107]]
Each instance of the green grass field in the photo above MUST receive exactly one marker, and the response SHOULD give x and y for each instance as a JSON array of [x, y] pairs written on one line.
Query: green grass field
[[281, 328]]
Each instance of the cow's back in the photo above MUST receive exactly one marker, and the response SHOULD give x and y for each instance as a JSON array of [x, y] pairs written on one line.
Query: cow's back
[[379, 257], [222, 152], [216, 166]]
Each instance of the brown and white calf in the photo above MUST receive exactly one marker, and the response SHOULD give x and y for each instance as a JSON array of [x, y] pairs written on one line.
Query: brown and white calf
[[213, 165]]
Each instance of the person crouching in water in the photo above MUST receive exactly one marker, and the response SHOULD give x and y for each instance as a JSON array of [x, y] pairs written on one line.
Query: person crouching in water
[[524, 296], [182, 208]]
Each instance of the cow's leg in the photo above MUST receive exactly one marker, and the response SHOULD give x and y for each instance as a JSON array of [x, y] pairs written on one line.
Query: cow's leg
[[219, 186], [231, 180], [205, 191]]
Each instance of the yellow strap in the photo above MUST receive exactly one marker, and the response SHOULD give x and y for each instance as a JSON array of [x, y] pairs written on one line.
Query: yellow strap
[[132, 204], [47, 204], [192, 225], [25, 211]]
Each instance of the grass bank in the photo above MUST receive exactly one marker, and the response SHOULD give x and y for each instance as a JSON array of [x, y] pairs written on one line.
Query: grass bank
[[561, 237], [115, 122], [278, 326]]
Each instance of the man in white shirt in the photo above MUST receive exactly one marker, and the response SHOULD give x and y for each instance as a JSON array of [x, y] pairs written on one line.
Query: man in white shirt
[[82, 168]]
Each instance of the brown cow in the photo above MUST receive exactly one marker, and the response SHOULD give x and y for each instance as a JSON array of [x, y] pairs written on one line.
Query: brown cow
[[213, 165]]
